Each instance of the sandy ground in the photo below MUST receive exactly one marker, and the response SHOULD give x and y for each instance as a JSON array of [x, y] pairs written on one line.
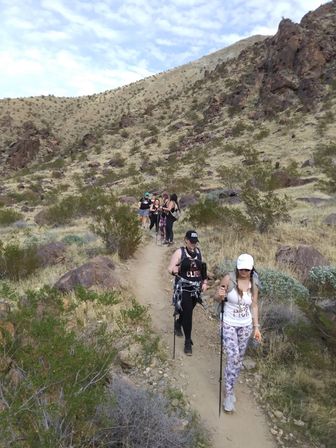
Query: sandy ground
[[247, 427]]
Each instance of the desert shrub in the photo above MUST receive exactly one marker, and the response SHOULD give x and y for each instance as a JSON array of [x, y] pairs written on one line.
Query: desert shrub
[[262, 133], [73, 239], [136, 313], [8, 216], [322, 281], [239, 128], [210, 212], [72, 207], [265, 210], [29, 196], [62, 381], [118, 227], [139, 418], [17, 261], [104, 298], [277, 286], [324, 156]]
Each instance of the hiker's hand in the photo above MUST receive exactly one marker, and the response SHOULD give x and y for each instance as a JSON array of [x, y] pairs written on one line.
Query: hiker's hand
[[204, 286], [257, 334], [221, 293]]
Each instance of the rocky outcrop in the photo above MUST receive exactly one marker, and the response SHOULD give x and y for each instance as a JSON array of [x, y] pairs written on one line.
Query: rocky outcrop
[[290, 68], [97, 272], [23, 152], [330, 220], [302, 259]]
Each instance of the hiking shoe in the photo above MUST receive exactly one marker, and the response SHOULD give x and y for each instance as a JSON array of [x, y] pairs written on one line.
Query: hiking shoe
[[229, 402], [178, 329], [187, 347]]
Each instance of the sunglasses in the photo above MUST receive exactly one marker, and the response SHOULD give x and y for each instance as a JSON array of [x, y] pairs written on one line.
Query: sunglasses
[[245, 270]]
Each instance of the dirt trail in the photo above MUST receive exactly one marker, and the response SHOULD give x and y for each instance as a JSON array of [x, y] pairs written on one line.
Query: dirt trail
[[199, 373]]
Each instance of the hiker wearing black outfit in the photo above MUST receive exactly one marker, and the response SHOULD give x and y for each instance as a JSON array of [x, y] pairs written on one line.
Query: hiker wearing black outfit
[[186, 264], [154, 214], [169, 209]]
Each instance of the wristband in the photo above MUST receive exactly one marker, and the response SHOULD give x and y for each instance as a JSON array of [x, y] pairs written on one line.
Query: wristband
[[256, 326]]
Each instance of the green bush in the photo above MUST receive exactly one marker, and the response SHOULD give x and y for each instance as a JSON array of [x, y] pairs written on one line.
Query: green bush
[[104, 298], [210, 212], [18, 262], [280, 287], [118, 226], [73, 207], [135, 314], [322, 281], [8, 216], [324, 156], [74, 239], [265, 210], [62, 380]]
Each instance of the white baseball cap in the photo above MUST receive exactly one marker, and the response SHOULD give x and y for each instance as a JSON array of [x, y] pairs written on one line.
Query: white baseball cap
[[245, 261]]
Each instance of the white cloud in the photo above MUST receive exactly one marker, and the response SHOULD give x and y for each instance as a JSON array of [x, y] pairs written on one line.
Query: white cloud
[[84, 46]]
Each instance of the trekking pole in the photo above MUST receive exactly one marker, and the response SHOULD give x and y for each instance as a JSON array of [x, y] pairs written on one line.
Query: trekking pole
[[221, 358], [174, 334], [157, 228]]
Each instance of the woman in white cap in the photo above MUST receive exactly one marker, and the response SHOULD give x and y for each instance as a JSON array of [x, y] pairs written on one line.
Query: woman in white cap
[[239, 290]]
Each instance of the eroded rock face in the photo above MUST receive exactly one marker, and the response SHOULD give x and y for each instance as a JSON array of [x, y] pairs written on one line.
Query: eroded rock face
[[23, 152], [301, 258], [290, 68], [97, 272]]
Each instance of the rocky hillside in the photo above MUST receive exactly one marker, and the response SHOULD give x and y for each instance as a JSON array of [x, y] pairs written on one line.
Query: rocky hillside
[[274, 95]]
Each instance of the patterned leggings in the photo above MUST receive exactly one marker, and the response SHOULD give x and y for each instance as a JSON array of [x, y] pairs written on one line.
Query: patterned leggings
[[235, 341]]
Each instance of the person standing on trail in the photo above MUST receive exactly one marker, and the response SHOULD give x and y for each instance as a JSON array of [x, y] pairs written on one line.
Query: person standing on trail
[[171, 207], [191, 279], [154, 214], [144, 206], [239, 290]]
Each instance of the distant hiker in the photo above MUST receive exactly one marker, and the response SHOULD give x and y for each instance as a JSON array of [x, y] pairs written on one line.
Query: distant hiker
[[170, 210], [154, 214], [163, 216], [191, 279], [240, 290], [144, 206]]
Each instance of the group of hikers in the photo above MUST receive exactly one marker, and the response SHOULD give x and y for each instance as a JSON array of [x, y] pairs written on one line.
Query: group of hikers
[[237, 296], [159, 211]]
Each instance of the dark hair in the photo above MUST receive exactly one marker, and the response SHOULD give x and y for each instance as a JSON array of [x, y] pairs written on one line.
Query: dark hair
[[173, 197], [240, 292]]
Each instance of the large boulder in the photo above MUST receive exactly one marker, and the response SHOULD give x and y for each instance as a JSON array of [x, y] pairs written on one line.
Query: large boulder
[[302, 259], [187, 200], [51, 253], [97, 272], [330, 220]]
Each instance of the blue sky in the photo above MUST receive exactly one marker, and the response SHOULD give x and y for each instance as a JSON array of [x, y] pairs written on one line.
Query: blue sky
[[81, 47]]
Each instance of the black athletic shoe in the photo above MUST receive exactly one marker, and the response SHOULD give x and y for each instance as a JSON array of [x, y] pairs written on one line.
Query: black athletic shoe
[[178, 329], [187, 347]]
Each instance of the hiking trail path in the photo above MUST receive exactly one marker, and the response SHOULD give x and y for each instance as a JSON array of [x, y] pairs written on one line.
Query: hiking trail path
[[199, 374]]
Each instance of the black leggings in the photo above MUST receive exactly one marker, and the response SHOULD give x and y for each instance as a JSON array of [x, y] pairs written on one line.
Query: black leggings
[[154, 221], [169, 228], [185, 319]]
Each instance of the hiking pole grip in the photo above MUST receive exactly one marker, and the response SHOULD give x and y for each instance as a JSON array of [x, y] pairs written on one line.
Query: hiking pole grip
[[221, 357]]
